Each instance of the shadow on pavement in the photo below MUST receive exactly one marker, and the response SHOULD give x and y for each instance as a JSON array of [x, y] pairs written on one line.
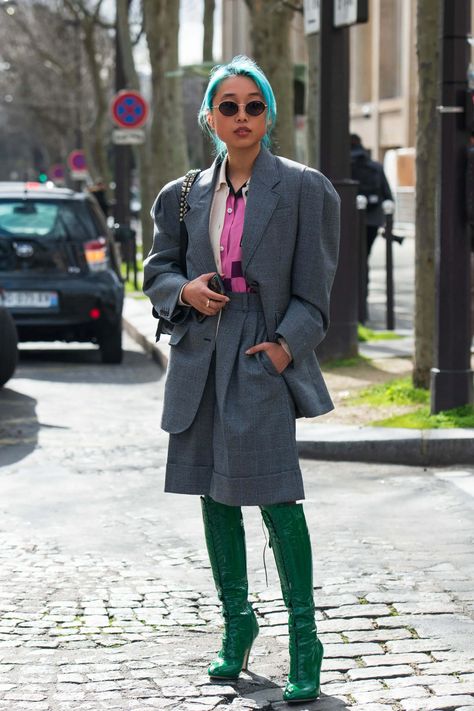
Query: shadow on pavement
[[329, 703], [83, 365], [18, 426], [259, 688]]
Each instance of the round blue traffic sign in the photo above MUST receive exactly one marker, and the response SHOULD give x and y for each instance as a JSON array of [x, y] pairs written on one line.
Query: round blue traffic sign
[[129, 109]]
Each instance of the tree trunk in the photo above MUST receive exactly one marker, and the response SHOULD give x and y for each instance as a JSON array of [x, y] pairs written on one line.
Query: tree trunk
[[96, 141], [312, 100], [169, 158], [207, 56], [141, 153], [125, 44], [209, 7], [428, 23], [270, 32]]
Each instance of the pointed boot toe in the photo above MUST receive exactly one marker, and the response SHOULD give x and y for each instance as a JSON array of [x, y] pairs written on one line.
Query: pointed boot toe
[[298, 692], [240, 634]]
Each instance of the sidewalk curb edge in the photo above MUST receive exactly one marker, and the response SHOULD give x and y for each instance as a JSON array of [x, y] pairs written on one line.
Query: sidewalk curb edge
[[145, 343], [410, 452]]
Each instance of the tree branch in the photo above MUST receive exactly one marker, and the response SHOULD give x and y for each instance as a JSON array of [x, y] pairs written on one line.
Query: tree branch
[[293, 6], [104, 25], [72, 6], [136, 40], [96, 12], [32, 37]]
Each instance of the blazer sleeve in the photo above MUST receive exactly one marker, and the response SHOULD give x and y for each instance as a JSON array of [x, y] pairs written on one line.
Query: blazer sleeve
[[306, 319], [163, 273]]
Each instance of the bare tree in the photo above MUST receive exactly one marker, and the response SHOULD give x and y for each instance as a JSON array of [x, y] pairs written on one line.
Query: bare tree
[[208, 21], [55, 97], [207, 56], [90, 25], [169, 156], [270, 32], [428, 24], [37, 108], [312, 100], [142, 152]]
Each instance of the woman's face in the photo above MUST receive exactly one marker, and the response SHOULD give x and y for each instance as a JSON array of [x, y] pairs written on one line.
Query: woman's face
[[240, 131]]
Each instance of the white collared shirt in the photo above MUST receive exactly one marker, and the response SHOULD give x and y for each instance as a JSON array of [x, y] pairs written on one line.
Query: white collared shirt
[[216, 223], [217, 214]]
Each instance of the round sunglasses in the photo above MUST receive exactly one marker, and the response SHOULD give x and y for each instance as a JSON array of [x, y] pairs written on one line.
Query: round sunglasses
[[231, 108]]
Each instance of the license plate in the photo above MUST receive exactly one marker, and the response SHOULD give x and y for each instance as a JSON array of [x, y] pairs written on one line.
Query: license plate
[[31, 299]]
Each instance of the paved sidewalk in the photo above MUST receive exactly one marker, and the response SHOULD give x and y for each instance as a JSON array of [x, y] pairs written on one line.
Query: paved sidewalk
[[106, 596], [85, 629], [87, 634], [332, 441]]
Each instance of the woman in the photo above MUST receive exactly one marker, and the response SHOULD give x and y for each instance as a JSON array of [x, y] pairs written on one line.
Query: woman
[[242, 363]]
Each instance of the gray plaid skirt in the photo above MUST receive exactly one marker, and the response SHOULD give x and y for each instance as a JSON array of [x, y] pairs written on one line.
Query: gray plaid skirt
[[241, 447]]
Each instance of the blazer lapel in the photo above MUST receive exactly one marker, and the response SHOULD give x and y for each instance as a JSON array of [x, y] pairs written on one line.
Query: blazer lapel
[[197, 217], [261, 203]]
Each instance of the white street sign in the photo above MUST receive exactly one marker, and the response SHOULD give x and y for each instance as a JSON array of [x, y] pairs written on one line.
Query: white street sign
[[346, 12], [128, 136], [79, 174], [312, 16]]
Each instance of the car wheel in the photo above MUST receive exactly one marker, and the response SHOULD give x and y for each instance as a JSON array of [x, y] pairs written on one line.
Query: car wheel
[[110, 343], [8, 346]]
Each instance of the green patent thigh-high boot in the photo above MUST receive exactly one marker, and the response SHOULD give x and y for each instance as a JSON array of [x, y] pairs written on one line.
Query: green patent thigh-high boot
[[225, 539], [291, 545]]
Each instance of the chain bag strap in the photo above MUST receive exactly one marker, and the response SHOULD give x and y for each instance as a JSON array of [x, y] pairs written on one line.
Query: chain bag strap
[[165, 326]]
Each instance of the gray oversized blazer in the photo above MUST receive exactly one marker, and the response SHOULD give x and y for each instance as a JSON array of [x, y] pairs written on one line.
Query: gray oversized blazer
[[289, 255]]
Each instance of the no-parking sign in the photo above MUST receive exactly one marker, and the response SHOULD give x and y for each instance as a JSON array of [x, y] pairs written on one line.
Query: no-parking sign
[[129, 109], [76, 161], [57, 174]]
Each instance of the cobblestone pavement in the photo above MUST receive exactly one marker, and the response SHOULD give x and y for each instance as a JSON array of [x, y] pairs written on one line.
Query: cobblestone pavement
[[106, 599]]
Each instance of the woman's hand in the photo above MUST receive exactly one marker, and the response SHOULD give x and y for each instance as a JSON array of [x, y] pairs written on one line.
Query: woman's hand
[[196, 293], [275, 352]]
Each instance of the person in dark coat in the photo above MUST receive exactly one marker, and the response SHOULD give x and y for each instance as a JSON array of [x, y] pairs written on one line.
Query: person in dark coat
[[373, 184], [99, 191], [242, 364]]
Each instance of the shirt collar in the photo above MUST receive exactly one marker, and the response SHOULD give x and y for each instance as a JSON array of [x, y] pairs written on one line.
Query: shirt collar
[[222, 178]]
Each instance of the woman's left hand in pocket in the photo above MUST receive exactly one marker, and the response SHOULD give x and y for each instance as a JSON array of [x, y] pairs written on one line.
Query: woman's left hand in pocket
[[274, 351]]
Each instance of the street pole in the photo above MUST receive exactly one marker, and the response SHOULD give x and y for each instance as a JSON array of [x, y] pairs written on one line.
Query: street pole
[[334, 156], [390, 309], [361, 203], [452, 378]]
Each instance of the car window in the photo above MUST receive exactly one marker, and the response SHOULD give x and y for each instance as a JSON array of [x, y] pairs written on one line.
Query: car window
[[46, 218]]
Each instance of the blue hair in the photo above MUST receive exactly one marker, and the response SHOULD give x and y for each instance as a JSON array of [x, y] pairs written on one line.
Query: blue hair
[[239, 66]]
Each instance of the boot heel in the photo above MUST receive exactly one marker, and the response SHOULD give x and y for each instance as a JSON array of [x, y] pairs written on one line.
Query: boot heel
[[292, 550], [245, 663]]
